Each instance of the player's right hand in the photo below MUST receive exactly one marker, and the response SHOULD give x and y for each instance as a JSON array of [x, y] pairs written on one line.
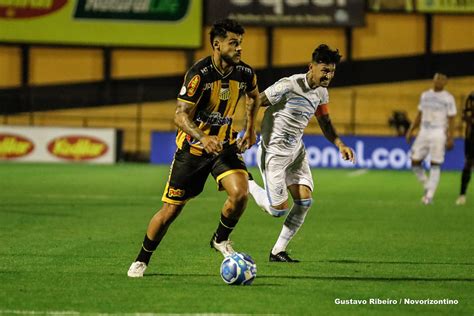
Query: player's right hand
[[211, 144]]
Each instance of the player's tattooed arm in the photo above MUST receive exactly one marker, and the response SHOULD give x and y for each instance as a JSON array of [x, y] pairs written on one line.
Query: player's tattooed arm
[[182, 120], [252, 106], [330, 133], [327, 128]]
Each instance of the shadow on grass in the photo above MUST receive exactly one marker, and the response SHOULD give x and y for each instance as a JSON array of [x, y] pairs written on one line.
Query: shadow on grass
[[394, 262], [321, 278]]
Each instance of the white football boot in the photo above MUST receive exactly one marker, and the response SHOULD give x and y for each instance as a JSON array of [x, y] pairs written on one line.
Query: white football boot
[[427, 200], [136, 269], [461, 200], [225, 247]]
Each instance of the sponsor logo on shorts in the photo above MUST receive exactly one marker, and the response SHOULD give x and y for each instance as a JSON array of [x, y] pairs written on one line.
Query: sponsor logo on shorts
[[193, 85], [14, 146], [24, 9], [77, 147], [173, 192], [183, 90]]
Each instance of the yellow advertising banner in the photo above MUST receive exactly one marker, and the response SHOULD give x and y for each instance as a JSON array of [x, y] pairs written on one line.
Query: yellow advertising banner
[[138, 23], [445, 6]]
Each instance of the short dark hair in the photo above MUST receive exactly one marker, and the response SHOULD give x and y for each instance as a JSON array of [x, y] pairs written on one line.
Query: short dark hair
[[221, 27], [323, 54]]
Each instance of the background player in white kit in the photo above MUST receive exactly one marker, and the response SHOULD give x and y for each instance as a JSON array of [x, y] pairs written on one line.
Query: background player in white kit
[[436, 113], [281, 155]]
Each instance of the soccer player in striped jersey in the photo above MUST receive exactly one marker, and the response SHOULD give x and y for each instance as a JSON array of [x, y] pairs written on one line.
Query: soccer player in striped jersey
[[468, 117], [291, 102], [435, 118], [207, 144]]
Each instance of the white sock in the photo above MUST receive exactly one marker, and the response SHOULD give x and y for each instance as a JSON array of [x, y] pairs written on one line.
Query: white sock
[[420, 174], [432, 184], [293, 222], [259, 195]]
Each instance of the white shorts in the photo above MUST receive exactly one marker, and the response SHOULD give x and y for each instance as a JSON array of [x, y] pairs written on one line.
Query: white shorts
[[432, 142], [279, 172]]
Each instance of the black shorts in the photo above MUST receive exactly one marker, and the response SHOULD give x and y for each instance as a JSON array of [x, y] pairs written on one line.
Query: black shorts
[[188, 173]]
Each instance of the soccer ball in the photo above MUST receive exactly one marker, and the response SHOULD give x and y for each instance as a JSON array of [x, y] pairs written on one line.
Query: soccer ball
[[238, 269]]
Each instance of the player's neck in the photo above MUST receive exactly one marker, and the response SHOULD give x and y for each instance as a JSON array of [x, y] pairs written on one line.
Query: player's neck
[[310, 81], [221, 65]]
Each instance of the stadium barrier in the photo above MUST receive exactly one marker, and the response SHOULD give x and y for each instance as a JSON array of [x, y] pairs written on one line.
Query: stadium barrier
[[371, 152], [58, 144]]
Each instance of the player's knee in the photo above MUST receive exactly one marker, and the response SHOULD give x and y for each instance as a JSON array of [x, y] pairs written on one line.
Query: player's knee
[[239, 197]]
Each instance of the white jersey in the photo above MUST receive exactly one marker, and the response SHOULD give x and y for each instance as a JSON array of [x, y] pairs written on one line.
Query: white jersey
[[293, 105], [435, 109]]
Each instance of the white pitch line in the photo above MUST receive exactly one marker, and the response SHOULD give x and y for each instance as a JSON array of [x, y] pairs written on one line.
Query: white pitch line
[[357, 173]]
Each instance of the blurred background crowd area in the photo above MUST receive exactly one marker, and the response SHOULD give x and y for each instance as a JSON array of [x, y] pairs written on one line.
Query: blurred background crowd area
[[99, 68]]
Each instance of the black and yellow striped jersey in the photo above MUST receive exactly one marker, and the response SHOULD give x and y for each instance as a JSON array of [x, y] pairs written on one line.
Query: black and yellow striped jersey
[[214, 97], [468, 115]]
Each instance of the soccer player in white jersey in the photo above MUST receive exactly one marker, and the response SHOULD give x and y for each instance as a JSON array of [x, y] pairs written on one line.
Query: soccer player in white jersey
[[291, 102], [435, 118]]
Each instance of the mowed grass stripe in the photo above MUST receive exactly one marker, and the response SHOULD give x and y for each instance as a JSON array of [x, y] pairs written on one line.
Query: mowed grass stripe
[[69, 232]]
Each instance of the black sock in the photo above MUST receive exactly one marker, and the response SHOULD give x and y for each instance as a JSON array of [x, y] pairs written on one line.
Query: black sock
[[466, 176], [148, 247], [226, 225]]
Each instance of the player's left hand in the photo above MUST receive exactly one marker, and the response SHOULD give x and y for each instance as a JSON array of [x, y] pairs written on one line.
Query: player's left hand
[[450, 143], [247, 141], [347, 153]]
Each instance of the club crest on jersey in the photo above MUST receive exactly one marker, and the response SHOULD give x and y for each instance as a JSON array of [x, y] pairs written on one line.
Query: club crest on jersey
[[224, 94], [173, 192], [193, 85]]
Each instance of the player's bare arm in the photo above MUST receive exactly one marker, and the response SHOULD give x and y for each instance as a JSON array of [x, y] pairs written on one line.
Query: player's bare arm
[[211, 144], [413, 127], [264, 100], [252, 106], [450, 133], [330, 133]]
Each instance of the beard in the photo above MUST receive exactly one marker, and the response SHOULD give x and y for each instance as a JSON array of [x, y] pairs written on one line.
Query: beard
[[324, 82], [229, 60]]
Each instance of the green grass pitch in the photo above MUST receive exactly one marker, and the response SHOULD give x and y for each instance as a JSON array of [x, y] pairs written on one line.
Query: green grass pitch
[[68, 234]]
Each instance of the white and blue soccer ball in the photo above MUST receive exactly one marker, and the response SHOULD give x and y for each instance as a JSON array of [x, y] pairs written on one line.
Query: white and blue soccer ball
[[238, 269]]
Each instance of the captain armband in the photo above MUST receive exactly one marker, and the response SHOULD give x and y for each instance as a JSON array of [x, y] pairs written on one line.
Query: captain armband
[[322, 110]]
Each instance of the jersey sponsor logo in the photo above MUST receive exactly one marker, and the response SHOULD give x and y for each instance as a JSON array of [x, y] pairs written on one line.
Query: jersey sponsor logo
[[148, 10], [205, 70], [76, 147], [14, 146], [173, 192], [224, 94], [193, 85], [213, 118], [24, 9], [244, 69], [242, 86]]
